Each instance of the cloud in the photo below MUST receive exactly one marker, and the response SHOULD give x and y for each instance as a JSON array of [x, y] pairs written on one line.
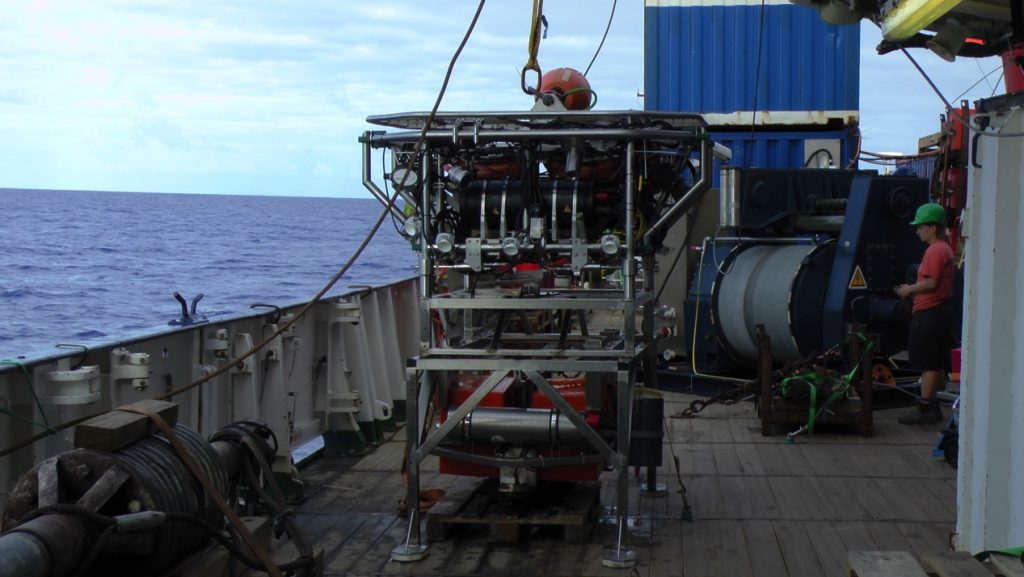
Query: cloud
[[244, 97]]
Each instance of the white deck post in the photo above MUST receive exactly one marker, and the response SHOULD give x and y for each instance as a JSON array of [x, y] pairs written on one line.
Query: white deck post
[[990, 499]]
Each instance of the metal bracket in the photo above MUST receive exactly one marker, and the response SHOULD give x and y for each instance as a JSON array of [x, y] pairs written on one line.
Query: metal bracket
[[474, 254]]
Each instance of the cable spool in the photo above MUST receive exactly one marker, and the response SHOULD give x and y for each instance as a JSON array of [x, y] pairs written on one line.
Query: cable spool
[[157, 480]]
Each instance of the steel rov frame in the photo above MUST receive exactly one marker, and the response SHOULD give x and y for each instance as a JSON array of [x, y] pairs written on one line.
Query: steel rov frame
[[488, 192]]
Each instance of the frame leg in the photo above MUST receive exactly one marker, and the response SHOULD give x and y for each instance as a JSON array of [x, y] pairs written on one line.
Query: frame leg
[[620, 556]]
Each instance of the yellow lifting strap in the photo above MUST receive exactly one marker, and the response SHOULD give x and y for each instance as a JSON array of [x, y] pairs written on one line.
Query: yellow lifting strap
[[537, 18]]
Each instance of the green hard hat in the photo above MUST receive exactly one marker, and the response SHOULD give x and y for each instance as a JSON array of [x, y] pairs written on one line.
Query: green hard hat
[[930, 213]]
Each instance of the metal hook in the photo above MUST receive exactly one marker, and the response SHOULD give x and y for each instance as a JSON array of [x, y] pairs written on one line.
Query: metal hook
[[277, 311], [85, 351]]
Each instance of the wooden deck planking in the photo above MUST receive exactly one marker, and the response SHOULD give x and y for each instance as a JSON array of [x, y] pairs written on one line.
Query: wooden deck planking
[[715, 548], [347, 554], [702, 458], [829, 547], [762, 507], [726, 460], [736, 499], [864, 490], [832, 503], [888, 536], [794, 502], [879, 461], [855, 536], [750, 460], [763, 549], [926, 538], [772, 459], [797, 549], [745, 430]]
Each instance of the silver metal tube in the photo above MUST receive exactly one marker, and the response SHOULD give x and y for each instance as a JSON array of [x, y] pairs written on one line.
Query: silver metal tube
[[729, 198], [445, 136], [455, 419], [767, 240], [519, 427], [24, 555], [820, 222], [566, 248], [374, 189], [628, 265], [582, 427], [515, 119], [534, 462]]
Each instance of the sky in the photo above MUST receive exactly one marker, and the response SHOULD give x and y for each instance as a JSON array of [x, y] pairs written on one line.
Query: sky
[[243, 97]]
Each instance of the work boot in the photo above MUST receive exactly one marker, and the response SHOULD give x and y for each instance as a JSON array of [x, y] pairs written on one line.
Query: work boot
[[926, 412]]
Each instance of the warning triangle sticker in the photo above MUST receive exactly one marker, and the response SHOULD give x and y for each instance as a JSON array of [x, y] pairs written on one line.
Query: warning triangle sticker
[[858, 281]]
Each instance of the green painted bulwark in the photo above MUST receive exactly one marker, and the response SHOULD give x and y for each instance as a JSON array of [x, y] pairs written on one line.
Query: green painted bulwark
[[345, 443], [293, 489], [399, 411], [373, 431]]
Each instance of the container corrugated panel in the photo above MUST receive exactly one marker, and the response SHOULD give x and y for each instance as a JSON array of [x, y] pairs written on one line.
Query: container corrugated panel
[[778, 149], [700, 56]]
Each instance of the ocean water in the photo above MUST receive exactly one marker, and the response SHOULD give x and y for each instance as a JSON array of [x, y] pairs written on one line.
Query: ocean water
[[83, 267]]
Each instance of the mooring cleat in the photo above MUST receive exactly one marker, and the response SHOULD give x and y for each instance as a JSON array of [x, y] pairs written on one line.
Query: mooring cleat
[[409, 553], [619, 558]]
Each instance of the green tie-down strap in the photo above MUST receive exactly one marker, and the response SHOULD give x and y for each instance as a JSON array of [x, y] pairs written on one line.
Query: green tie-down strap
[[815, 380], [1017, 552]]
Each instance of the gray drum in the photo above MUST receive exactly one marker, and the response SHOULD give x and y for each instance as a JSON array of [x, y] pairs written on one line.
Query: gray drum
[[756, 287]]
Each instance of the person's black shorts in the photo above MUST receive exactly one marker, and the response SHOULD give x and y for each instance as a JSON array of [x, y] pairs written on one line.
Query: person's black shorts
[[930, 332]]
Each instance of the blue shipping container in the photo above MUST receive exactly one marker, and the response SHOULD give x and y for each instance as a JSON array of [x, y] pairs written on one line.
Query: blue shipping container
[[700, 56], [779, 149]]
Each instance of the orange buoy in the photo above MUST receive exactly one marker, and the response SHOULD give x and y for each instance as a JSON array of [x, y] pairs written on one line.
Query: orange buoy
[[569, 85]]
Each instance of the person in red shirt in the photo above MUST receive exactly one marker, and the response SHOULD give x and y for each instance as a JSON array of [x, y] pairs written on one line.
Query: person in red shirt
[[932, 322]]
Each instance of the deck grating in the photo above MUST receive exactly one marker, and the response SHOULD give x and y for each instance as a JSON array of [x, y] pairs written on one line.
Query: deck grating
[[762, 507]]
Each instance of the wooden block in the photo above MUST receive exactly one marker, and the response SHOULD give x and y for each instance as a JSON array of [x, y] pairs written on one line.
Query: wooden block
[[884, 564], [209, 562], [116, 429], [213, 560], [1007, 565], [926, 143], [505, 532], [261, 529], [955, 564]]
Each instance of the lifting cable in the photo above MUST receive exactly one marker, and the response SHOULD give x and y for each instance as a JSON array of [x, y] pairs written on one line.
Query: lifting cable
[[319, 295], [949, 107], [537, 21], [599, 46]]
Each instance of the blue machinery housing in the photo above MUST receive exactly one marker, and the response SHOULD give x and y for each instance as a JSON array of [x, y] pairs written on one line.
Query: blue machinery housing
[[806, 253]]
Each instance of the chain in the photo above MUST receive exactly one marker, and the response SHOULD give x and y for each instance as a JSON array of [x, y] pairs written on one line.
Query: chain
[[726, 398]]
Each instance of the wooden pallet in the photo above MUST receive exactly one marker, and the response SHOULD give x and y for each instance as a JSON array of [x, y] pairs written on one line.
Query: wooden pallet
[[777, 412], [950, 564], [571, 508]]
